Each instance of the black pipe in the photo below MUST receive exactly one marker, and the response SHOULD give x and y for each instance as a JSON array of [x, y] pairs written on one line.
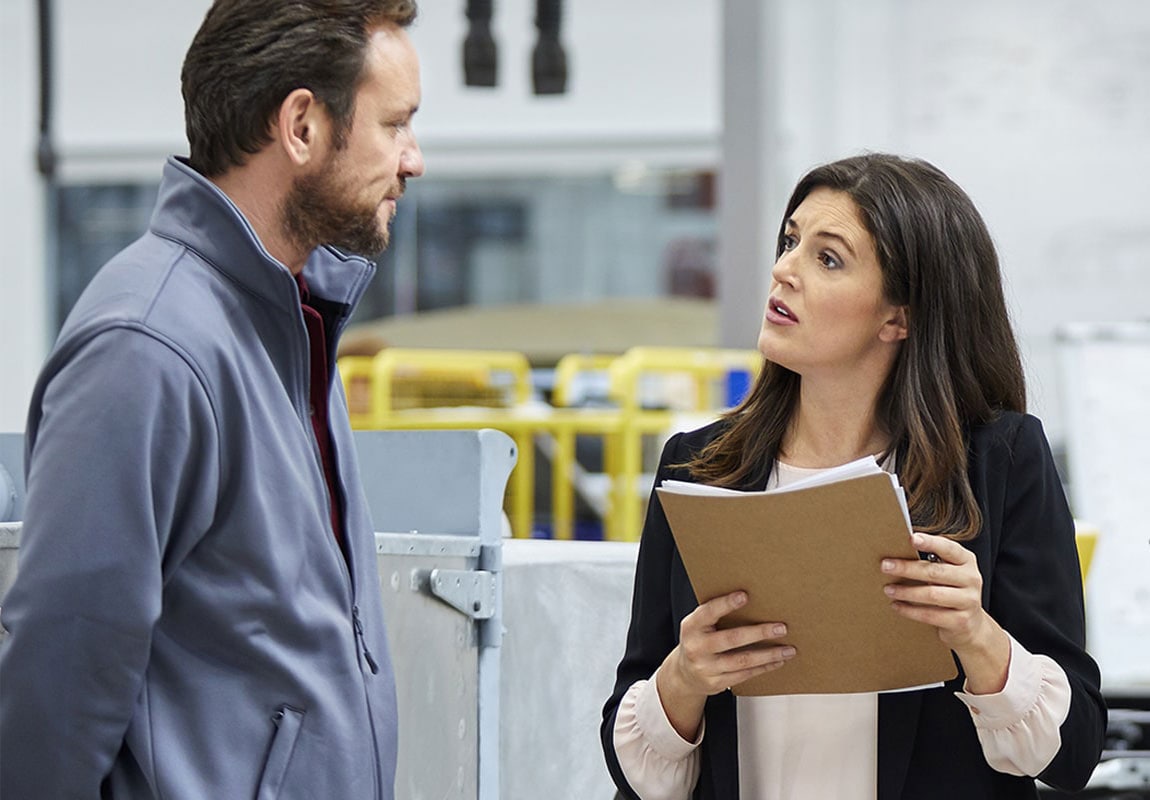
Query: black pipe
[[45, 152], [479, 53], [549, 61]]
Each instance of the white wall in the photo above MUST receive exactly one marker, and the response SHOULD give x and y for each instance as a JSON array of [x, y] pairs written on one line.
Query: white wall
[[643, 84], [1040, 108], [118, 103], [1043, 113], [633, 95]]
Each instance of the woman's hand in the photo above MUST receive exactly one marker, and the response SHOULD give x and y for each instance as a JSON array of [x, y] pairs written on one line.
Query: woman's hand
[[708, 660], [948, 596]]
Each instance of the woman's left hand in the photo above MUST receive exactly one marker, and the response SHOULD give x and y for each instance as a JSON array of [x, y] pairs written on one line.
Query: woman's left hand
[[948, 595]]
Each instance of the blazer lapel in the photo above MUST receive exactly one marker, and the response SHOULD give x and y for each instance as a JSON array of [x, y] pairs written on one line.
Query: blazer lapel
[[897, 728], [721, 748]]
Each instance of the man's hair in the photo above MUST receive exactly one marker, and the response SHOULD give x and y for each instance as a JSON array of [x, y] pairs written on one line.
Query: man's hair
[[249, 55], [958, 367]]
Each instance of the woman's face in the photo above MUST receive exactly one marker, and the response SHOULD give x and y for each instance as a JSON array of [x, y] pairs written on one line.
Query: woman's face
[[827, 313]]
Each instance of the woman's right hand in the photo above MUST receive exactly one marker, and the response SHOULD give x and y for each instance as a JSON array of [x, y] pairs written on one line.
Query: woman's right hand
[[708, 660]]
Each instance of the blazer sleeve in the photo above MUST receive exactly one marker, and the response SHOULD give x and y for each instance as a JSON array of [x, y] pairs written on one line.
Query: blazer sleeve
[[653, 631], [1036, 595]]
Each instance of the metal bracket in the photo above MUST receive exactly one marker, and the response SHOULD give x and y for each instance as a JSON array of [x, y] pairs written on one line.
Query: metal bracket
[[471, 592]]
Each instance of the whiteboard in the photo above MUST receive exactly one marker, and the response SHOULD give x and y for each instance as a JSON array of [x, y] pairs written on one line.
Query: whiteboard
[[1105, 378]]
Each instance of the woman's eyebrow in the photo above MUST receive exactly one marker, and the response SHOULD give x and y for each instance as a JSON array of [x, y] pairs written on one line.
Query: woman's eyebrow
[[826, 234]]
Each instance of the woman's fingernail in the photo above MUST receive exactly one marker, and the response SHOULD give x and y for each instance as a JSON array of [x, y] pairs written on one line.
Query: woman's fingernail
[[889, 590], [887, 565], [788, 652], [780, 630]]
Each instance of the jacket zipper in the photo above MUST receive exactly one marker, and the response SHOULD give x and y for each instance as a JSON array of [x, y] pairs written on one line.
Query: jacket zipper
[[344, 562], [362, 641]]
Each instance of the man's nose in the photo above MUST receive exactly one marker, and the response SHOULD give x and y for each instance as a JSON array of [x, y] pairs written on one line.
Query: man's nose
[[411, 161]]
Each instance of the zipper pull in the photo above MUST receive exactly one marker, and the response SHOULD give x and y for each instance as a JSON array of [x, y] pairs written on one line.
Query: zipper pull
[[374, 667]]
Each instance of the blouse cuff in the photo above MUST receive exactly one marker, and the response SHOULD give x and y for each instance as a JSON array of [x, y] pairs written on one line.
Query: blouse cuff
[[1019, 727], [655, 760], [657, 729], [1030, 679]]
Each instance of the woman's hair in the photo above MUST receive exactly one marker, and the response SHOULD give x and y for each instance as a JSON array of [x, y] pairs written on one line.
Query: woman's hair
[[249, 55], [958, 366]]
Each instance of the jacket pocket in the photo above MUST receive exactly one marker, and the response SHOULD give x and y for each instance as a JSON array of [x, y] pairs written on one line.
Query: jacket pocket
[[288, 722]]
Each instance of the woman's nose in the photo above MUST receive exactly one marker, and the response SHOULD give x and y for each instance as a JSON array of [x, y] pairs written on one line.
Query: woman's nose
[[783, 270]]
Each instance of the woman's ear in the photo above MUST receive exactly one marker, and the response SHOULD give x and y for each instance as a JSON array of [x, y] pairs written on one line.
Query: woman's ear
[[896, 328]]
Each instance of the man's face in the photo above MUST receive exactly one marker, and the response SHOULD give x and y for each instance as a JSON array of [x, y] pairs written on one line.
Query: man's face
[[350, 199]]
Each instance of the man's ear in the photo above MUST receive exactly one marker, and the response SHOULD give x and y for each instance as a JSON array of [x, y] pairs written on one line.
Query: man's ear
[[896, 328], [301, 127]]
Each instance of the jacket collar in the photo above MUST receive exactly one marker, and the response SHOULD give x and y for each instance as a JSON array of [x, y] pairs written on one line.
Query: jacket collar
[[193, 211]]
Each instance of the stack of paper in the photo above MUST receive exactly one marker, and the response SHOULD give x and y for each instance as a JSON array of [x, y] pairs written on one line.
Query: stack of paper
[[809, 555]]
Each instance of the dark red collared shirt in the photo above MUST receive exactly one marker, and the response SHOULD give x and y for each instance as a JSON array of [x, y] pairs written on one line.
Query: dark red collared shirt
[[318, 393]]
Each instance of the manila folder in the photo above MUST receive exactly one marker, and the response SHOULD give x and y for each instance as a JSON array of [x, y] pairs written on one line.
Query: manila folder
[[811, 558]]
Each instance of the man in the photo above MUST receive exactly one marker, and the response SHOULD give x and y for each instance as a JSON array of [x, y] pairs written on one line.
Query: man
[[197, 611]]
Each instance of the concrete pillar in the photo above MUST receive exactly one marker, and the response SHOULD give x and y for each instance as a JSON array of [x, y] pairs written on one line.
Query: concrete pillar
[[749, 167], [23, 320]]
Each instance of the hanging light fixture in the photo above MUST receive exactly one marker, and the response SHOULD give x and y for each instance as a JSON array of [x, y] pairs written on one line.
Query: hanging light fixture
[[479, 52], [549, 60]]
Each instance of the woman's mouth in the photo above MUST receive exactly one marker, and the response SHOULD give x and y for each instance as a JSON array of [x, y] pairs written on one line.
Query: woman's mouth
[[779, 314]]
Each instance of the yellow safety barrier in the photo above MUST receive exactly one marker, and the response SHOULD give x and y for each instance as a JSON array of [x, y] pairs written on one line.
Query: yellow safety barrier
[[571, 367], [490, 389], [1086, 537], [403, 388], [610, 424], [638, 413], [703, 367]]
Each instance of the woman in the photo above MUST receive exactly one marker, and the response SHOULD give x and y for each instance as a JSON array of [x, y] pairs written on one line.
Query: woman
[[886, 334]]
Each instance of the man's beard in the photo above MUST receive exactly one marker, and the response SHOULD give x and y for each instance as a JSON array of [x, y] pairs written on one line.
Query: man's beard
[[320, 210]]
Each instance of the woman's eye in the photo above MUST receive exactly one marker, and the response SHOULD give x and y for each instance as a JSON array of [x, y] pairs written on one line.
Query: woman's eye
[[789, 242], [830, 260]]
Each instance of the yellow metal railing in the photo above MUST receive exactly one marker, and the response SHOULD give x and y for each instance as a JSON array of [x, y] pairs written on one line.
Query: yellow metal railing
[[404, 388], [1086, 537], [703, 368], [610, 424]]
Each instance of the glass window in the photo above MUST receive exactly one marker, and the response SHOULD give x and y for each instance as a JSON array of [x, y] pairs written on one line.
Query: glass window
[[637, 233]]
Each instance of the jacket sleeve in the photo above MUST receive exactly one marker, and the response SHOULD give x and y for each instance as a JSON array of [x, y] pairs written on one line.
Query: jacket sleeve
[[1036, 595], [653, 632], [122, 479]]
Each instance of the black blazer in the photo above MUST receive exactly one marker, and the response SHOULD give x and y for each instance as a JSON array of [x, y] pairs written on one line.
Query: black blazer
[[927, 746]]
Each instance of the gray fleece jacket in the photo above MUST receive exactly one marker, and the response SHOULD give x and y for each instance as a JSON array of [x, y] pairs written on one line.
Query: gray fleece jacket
[[183, 624]]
